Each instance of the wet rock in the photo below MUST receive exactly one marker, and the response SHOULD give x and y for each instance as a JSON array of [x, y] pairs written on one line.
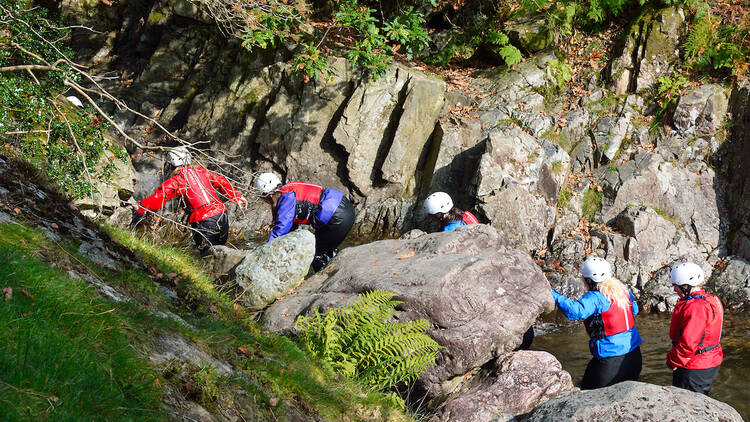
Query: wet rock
[[519, 382], [479, 294], [649, 49], [273, 269], [633, 401], [732, 282]]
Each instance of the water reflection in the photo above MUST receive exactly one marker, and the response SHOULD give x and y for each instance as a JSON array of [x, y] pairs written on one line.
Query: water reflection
[[568, 341]]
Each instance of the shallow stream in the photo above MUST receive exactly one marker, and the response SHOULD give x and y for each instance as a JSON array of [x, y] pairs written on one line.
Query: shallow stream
[[568, 341]]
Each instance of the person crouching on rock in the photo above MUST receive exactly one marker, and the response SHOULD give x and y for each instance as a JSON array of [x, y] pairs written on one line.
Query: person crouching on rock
[[695, 331], [439, 206], [197, 186], [326, 210], [608, 311]]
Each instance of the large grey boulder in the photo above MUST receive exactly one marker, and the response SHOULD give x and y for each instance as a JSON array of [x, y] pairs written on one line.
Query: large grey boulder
[[532, 34], [731, 282], [479, 294], [632, 401], [649, 49], [119, 187], [519, 382], [274, 268]]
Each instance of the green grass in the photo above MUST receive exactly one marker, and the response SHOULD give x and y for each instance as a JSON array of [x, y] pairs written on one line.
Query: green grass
[[69, 354], [592, 203], [65, 352], [563, 198]]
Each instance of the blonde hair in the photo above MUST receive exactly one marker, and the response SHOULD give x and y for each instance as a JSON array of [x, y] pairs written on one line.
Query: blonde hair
[[615, 291]]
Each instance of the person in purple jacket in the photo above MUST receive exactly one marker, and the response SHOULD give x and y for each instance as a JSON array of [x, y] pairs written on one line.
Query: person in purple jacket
[[326, 210]]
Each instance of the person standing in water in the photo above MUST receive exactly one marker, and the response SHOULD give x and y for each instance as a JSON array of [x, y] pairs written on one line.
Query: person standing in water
[[326, 210], [608, 311], [197, 186], [695, 331], [439, 206]]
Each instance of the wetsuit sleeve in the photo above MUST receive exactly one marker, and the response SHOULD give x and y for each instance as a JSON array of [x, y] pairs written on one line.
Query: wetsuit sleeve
[[168, 190], [582, 308], [284, 218], [222, 184], [453, 225], [693, 324]]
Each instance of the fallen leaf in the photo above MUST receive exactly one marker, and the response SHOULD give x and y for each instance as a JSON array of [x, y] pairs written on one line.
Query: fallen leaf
[[54, 226], [244, 350], [8, 292], [27, 294], [213, 308], [406, 255], [273, 401], [17, 210]]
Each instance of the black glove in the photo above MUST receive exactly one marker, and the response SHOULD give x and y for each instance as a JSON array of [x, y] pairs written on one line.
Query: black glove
[[137, 218]]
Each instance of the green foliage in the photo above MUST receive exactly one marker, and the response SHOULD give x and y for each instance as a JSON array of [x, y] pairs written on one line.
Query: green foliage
[[360, 342], [592, 203], [310, 64], [561, 71], [712, 45], [36, 123], [408, 30], [464, 44], [563, 198], [371, 51], [666, 95]]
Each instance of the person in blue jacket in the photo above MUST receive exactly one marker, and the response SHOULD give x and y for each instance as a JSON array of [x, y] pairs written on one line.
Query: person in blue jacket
[[608, 311], [327, 210]]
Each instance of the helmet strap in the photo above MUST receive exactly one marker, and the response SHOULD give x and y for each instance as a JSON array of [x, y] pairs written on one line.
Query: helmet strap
[[685, 289]]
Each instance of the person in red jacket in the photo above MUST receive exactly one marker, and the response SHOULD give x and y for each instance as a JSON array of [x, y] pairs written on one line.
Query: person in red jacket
[[439, 206], [197, 187], [695, 331]]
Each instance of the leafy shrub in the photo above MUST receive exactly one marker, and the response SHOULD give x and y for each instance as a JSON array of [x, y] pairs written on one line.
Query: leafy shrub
[[561, 71], [408, 30], [465, 43], [359, 341], [666, 94], [509, 53], [36, 123], [712, 45]]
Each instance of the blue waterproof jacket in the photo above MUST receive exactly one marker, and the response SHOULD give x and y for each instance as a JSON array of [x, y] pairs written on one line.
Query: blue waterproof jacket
[[287, 211], [453, 225], [594, 303]]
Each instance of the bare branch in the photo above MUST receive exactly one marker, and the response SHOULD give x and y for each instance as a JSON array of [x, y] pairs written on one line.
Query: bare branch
[[22, 67]]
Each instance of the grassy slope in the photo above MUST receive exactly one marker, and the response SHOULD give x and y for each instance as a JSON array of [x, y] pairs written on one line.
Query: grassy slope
[[75, 355]]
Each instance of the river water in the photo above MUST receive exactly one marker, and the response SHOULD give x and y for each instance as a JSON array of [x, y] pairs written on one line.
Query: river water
[[568, 341]]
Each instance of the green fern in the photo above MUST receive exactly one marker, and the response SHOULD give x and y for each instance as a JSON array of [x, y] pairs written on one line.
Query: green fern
[[360, 341]]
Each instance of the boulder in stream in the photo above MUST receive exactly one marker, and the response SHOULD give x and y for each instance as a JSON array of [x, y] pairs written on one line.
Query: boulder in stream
[[633, 401], [274, 268], [479, 294]]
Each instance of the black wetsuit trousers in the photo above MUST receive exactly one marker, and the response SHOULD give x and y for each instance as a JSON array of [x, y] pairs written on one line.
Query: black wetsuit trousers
[[211, 231], [329, 236], [608, 371], [698, 380]]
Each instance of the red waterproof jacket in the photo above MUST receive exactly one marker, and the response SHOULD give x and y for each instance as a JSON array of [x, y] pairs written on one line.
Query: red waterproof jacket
[[197, 186], [695, 332], [615, 320]]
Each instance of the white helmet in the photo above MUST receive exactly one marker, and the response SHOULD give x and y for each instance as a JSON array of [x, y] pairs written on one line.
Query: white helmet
[[266, 183], [179, 156], [687, 273], [596, 269], [438, 202]]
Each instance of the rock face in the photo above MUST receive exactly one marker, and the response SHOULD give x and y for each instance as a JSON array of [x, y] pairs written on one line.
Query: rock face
[[633, 401], [519, 382], [737, 156], [649, 50], [479, 294], [273, 269], [732, 282]]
